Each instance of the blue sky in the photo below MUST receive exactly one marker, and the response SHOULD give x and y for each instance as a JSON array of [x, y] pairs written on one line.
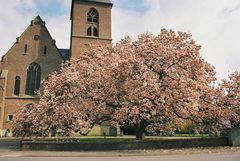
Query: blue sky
[[52, 7], [214, 24], [136, 5], [56, 7]]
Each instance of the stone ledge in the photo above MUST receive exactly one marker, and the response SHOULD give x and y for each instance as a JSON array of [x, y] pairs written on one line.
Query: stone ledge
[[127, 145], [91, 37], [21, 97]]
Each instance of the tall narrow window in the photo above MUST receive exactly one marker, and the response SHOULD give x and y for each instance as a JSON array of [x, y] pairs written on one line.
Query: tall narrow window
[[45, 50], [25, 48], [95, 32], [10, 118], [17, 85], [89, 31], [93, 22], [33, 79]]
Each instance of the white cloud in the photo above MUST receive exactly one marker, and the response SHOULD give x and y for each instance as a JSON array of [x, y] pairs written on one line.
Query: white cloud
[[60, 29], [15, 16], [13, 23], [214, 24]]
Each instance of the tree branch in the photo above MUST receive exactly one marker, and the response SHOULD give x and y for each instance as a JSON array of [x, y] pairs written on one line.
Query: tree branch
[[179, 115]]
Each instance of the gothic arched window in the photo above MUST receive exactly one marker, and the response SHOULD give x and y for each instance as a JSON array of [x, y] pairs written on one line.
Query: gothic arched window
[[93, 16], [17, 85], [95, 31], [89, 31], [93, 22], [33, 79]]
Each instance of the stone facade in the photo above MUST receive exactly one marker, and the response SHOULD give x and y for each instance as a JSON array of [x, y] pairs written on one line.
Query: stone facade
[[36, 52], [35, 45]]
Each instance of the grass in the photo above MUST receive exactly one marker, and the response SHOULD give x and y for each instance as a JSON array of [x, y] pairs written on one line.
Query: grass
[[126, 138]]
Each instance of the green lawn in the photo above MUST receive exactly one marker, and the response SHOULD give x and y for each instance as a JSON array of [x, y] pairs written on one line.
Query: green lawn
[[125, 138]]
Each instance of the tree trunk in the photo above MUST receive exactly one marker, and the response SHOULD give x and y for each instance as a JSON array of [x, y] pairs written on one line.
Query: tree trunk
[[140, 129], [140, 135]]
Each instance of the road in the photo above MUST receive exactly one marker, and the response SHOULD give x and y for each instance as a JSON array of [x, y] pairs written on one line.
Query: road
[[224, 156]]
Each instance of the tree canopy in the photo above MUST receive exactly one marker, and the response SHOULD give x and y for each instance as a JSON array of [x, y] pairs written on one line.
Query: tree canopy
[[152, 84]]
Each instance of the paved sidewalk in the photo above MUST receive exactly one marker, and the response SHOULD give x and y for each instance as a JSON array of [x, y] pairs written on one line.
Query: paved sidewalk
[[9, 153]]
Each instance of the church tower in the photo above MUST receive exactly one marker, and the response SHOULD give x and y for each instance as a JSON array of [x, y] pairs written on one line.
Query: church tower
[[90, 24]]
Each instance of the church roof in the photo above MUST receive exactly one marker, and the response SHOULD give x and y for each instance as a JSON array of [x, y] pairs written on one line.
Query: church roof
[[65, 53]]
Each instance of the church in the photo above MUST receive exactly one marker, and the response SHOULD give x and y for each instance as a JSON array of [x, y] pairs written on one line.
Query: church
[[35, 55]]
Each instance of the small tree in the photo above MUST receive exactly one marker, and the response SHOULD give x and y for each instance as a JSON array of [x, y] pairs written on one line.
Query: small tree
[[220, 106], [230, 100]]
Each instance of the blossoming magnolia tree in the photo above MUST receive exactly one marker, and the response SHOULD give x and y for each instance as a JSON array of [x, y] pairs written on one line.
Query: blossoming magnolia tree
[[151, 84], [212, 116], [159, 80], [72, 100], [231, 98], [220, 106]]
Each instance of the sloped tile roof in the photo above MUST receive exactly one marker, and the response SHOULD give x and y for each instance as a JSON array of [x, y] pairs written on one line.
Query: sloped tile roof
[[65, 53]]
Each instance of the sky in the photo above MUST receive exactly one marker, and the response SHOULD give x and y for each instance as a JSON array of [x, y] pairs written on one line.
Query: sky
[[213, 24]]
